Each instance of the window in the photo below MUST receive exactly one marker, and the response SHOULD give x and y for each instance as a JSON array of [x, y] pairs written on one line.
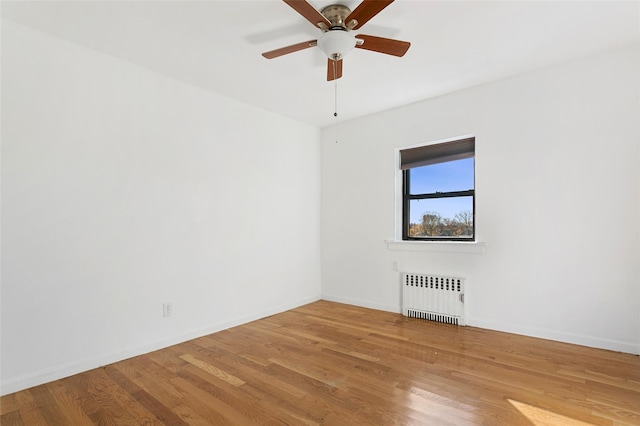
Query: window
[[438, 191]]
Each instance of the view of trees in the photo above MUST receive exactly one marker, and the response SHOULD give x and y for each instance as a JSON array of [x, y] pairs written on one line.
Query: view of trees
[[434, 225]]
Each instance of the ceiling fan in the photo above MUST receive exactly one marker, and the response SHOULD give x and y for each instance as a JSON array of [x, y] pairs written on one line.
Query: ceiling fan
[[336, 22]]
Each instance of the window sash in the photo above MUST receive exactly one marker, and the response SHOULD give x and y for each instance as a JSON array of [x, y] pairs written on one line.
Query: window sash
[[467, 193], [406, 211]]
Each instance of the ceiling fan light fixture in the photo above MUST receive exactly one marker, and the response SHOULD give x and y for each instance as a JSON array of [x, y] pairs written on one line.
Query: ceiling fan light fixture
[[336, 43]]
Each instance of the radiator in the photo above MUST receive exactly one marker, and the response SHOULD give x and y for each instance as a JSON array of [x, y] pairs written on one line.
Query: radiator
[[433, 297]]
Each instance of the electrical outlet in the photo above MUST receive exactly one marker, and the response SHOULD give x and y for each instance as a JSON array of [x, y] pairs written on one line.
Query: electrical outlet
[[167, 309]]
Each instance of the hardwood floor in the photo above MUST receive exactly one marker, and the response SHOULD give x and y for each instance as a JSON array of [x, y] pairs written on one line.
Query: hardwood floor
[[328, 363]]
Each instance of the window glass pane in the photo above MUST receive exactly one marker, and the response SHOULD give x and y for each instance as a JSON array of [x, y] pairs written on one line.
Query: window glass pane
[[444, 177], [441, 217]]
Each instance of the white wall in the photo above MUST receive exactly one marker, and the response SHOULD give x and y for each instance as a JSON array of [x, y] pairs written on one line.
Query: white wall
[[123, 189], [557, 185]]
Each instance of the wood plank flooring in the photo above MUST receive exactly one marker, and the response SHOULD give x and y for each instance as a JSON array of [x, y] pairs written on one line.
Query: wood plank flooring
[[334, 364]]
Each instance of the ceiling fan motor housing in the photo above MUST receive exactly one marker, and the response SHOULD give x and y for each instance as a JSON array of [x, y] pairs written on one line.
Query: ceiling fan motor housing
[[336, 14]]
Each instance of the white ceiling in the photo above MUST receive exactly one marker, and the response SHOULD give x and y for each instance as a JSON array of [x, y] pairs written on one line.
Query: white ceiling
[[217, 44]]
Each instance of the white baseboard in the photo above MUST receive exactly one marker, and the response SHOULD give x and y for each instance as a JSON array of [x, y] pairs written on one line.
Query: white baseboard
[[362, 303], [78, 366], [559, 336], [576, 339]]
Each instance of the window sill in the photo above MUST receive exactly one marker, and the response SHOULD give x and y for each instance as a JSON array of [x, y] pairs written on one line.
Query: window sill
[[437, 246]]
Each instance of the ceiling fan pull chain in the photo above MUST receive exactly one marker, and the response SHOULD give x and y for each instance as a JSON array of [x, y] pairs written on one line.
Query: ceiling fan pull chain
[[335, 108], [335, 97]]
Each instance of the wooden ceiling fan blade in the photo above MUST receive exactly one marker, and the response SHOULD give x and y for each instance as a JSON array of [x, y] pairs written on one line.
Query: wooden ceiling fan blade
[[290, 49], [383, 45], [365, 11], [308, 12], [334, 69]]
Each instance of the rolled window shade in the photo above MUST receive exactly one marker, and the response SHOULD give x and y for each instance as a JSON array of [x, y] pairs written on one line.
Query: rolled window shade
[[437, 153]]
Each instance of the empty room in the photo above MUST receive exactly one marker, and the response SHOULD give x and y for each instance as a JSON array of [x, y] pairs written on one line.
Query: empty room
[[317, 212]]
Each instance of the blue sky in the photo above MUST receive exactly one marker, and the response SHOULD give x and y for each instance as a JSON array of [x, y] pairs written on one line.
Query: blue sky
[[444, 177]]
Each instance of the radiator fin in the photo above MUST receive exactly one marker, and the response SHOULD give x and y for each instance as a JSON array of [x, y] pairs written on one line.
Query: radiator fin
[[433, 298]]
